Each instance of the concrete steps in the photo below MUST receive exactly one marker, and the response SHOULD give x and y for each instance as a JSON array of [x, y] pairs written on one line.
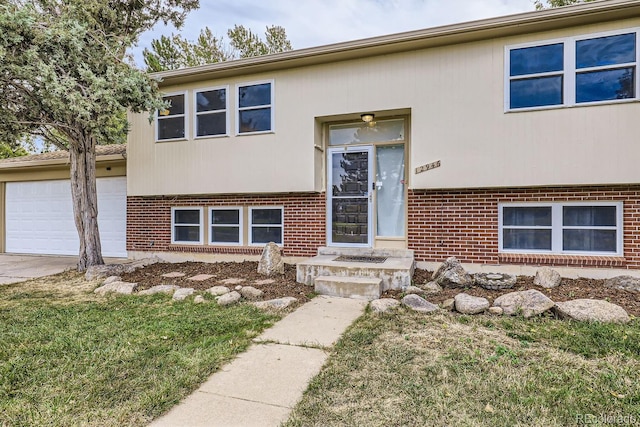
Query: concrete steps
[[366, 288], [394, 273]]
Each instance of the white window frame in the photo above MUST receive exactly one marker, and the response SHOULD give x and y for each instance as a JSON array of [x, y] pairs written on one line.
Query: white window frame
[[569, 72], [196, 113], [240, 225], [251, 225], [200, 225], [257, 107], [184, 116], [557, 228]]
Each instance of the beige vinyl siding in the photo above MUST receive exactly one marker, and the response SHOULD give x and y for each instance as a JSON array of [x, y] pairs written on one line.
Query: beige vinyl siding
[[454, 96]]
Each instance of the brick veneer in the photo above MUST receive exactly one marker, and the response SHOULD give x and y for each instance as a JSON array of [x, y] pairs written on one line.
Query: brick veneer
[[464, 224], [149, 222], [461, 223]]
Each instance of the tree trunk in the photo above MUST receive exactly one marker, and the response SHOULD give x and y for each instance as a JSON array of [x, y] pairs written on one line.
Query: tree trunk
[[85, 200]]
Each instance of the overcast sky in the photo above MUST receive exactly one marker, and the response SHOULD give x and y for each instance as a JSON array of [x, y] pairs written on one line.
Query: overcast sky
[[319, 22]]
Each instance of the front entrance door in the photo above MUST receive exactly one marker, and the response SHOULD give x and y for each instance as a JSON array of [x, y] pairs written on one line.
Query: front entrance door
[[350, 181]]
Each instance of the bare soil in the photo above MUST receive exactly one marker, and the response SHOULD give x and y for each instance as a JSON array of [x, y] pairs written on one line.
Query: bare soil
[[286, 284]]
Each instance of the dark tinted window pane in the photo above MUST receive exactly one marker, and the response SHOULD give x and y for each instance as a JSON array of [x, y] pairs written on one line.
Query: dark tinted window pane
[[526, 216], [266, 216], [252, 96], [605, 85], [350, 174], [225, 234], [589, 216], [211, 100], [526, 239], [171, 128], [536, 92], [231, 216], [189, 216], [538, 59], [187, 234], [211, 124], [255, 120], [266, 234], [610, 50], [176, 107], [589, 240]]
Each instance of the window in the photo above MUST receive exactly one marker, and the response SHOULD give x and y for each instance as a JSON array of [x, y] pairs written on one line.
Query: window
[[266, 225], [226, 226], [186, 225], [572, 71], [170, 123], [211, 112], [592, 228], [255, 112]]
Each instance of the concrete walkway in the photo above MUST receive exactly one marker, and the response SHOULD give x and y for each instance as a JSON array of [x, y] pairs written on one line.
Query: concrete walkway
[[18, 268], [261, 386]]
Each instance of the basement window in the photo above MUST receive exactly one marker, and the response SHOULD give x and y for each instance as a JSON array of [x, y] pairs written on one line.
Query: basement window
[[186, 226], [226, 226], [266, 224]]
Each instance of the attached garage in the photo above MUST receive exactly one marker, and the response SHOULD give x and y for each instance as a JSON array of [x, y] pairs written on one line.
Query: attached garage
[[38, 212]]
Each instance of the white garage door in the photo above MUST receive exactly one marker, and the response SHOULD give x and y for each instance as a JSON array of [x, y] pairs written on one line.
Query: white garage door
[[39, 217]]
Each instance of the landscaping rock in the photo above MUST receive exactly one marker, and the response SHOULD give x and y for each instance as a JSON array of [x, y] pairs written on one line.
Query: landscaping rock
[[496, 311], [278, 303], [112, 279], [431, 288], [448, 304], [103, 271], [417, 303], [467, 304], [117, 288], [452, 274], [628, 283], [232, 281], [230, 298], [271, 260], [237, 288], [218, 290], [547, 278], [198, 299], [160, 289], [383, 305], [173, 275], [251, 293], [414, 290], [264, 282], [591, 310], [182, 293], [526, 303], [200, 277], [495, 281]]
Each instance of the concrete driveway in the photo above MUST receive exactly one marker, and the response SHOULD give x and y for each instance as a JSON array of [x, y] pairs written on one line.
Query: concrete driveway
[[18, 268]]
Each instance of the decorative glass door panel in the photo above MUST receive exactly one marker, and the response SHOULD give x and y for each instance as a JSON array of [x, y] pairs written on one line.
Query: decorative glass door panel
[[350, 196]]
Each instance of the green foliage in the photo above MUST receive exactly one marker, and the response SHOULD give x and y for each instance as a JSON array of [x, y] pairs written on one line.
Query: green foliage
[[172, 53], [556, 3]]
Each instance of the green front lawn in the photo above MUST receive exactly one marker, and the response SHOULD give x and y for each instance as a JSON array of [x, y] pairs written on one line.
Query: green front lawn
[[68, 357]]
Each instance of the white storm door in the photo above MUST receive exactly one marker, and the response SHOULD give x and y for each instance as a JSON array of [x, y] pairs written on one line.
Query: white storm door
[[350, 196]]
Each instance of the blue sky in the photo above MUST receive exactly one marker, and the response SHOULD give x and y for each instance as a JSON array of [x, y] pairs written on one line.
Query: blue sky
[[319, 22]]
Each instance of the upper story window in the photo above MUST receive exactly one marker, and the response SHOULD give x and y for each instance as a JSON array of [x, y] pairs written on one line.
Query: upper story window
[[255, 108], [171, 122], [211, 107], [572, 71]]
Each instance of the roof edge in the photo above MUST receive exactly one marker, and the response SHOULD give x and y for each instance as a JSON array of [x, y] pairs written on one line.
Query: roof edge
[[57, 162]]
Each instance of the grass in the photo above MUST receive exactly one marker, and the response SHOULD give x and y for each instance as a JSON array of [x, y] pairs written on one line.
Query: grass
[[68, 357], [408, 369]]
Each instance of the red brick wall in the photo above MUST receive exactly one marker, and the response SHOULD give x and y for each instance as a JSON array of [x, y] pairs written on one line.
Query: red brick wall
[[464, 224], [149, 222]]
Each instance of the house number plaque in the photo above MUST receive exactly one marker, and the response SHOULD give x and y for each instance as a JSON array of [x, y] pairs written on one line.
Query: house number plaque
[[428, 166]]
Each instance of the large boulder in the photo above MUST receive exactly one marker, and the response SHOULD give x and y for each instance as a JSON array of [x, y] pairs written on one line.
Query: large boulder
[[452, 274], [125, 288], [547, 278], [591, 310], [417, 303], [271, 260], [467, 304], [628, 283], [383, 305], [526, 303]]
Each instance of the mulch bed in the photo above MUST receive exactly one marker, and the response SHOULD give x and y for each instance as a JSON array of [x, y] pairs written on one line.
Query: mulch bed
[[286, 284]]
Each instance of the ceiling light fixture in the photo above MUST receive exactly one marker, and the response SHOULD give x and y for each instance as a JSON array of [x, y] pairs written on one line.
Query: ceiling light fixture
[[367, 117]]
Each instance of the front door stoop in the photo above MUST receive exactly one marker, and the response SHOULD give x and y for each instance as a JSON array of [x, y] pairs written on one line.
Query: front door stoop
[[360, 279]]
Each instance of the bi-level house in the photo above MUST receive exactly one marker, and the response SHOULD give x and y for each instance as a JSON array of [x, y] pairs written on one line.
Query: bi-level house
[[510, 141]]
